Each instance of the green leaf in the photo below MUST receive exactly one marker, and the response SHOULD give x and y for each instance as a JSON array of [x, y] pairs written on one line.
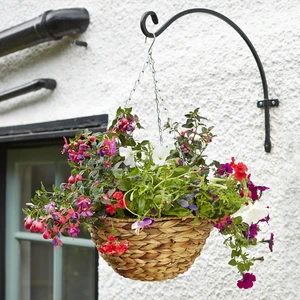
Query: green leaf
[[124, 185], [141, 205], [232, 262]]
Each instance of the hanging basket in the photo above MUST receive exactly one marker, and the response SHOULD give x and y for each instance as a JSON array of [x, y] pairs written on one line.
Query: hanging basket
[[163, 251]]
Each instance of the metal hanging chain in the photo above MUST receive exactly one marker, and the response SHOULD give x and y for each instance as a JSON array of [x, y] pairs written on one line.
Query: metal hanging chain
[[160, 102], [158, 98], [137, 82]]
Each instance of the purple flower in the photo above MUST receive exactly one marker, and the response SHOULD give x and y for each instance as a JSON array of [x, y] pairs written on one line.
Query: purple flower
[[180, 162], [129, 128], [84, 204], [50, 208], [253, 231], [80, 156], [254, 190], [270, 242], [83, 147], [184, 203], [86, 213], [74, 216], [146, 222], [73, 231], [113, 146], [190, 196], [225, 169], [141, 224], [153, 211], [101, 152], [247, 281], [266, 219], [193, 207]]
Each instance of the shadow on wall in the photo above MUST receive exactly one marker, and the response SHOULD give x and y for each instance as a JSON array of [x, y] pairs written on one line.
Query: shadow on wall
[[24, 101], [28, 58]]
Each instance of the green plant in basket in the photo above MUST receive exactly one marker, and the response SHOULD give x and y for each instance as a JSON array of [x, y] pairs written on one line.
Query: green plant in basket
[[114, 176]]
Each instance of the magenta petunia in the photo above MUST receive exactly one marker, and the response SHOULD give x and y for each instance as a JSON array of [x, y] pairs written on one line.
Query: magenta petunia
[[247, 281]]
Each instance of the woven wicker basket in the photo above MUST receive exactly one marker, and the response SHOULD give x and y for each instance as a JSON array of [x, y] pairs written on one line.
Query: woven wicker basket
[[163, 251]]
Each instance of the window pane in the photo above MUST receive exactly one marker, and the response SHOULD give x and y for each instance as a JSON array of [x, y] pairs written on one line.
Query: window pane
[[79, 273], [36, 271], [30, 181]]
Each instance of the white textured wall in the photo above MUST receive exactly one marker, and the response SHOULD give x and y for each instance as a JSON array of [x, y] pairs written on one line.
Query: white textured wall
[[200, 61]]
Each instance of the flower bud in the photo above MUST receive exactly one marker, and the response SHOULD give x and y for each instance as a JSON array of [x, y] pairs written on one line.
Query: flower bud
[[28, 222], [92, 138], [71, 179], [78, 177]]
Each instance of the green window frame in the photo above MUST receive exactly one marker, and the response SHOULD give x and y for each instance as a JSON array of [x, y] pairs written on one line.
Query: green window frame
[[17, 146], [16, 160]]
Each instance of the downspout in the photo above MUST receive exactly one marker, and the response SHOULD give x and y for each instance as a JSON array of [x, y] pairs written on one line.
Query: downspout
[[51, 25]]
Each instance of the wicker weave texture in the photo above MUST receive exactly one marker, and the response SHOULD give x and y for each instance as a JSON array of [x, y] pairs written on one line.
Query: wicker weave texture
[[163, 251]]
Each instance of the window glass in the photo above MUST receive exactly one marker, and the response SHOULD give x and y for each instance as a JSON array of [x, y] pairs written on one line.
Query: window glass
[[38, 266], [79, 273], [30, 181], [36, 271]]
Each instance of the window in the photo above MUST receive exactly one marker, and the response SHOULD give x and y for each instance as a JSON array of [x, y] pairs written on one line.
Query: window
[[29, 267], [66, 273]]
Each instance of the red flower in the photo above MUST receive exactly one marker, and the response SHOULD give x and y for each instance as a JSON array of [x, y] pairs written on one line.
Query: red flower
[[110, 208], [114, 248], [122, 203], [111, 239], [247, 281], [240, 171], [223, 223], [118, 195]]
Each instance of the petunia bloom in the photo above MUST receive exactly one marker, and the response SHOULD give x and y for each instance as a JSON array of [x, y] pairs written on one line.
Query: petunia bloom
[[160, 155], [252, 213], [225, 169], [270, 242], [247, 281], [129, 156], [253, 189]]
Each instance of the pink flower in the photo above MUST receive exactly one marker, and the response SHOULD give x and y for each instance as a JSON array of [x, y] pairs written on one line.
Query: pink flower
[[247, 281], [28, 222], [73, 230]]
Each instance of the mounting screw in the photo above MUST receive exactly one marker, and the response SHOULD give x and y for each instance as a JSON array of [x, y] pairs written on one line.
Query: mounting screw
[[79, 43], [271, 103]]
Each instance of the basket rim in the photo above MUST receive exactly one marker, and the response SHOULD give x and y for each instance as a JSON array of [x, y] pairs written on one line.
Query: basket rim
[[132, 220]]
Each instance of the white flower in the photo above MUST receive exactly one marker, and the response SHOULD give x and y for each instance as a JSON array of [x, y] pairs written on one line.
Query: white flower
[[252, 213], [160, 154], [136, 227], [128, 153]]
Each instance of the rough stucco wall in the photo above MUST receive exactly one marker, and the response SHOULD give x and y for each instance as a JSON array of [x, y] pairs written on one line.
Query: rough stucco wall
[[200, 61]]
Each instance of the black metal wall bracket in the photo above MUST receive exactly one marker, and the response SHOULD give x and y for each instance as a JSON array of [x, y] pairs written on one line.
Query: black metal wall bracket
[[154, 18], [49, 84], [270, 102]]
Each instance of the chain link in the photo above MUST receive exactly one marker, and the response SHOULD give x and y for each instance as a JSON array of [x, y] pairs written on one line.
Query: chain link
[[157, 95], [137, 82], [158, 99]]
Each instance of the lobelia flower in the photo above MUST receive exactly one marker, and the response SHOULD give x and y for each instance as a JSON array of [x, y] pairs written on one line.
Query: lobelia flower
[[129, 156], [160, 155], [252, 213], [141, 224]]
